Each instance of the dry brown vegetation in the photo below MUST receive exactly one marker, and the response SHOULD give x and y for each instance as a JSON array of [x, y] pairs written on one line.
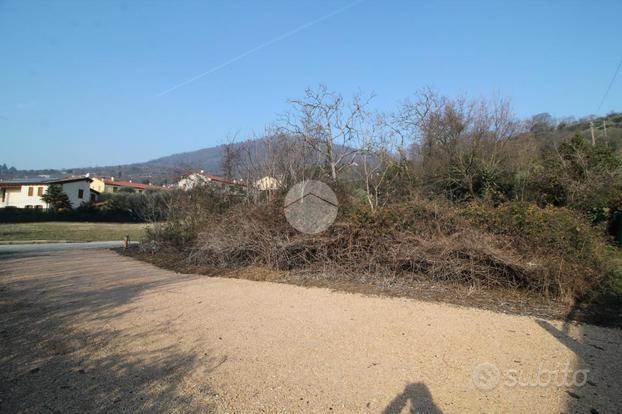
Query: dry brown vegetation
[[417, 240], [435, 192]]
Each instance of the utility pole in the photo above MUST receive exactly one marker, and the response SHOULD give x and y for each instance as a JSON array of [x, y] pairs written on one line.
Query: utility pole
[[605, 127], [592, 131]]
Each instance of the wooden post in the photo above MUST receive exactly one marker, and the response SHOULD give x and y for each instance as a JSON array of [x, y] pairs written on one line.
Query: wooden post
[[126, 242]]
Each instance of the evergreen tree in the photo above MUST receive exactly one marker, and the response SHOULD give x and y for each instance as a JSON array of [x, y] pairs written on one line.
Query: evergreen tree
[[56, 198]]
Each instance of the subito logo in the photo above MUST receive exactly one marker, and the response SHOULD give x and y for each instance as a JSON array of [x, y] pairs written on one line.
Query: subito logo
[[486, 376]]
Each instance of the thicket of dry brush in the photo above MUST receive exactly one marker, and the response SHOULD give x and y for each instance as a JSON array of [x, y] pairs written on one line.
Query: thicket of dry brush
[[443, 190], [419, 240]]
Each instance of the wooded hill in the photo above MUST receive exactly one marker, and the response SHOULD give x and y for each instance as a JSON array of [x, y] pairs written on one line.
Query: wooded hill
[[167, 169]]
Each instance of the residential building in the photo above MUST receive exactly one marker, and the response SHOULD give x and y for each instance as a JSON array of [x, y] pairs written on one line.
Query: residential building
[[201, 179], [111, 185], [192, 180], [267, 183], [98, 184], [27, 193]]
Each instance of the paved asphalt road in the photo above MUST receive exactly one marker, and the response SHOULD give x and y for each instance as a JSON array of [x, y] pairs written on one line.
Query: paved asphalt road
[[54, 247]]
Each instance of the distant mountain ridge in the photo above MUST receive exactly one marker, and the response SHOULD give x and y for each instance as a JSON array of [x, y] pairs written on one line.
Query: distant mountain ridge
[[168, 169], [208, 159], [159, 171]]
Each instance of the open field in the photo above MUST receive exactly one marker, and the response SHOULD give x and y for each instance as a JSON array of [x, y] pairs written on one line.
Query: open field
[[70, 231], [91, 331]]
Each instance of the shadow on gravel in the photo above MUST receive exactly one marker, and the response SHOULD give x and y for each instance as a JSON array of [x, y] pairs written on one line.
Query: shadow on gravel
[[417, 396], [595, 381], [50, 363]]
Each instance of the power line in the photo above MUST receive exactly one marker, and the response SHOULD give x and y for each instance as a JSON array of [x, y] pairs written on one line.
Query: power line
[[602, 101]]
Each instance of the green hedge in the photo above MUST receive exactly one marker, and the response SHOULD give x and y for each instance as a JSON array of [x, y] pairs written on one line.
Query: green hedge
[[27, 215]]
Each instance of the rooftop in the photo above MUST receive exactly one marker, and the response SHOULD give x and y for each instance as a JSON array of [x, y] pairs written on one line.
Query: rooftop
[[41, 180], [131, 184]]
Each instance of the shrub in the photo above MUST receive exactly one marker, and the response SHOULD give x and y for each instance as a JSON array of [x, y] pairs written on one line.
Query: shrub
[[244, 235], [181, 214], [553, 251], [86, 212], [568, 252]]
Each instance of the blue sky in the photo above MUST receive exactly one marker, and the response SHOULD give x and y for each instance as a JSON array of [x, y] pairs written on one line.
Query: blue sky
[[81, 82]]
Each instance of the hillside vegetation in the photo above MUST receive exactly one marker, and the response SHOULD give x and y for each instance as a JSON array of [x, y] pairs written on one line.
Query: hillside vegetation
[[444, 190], [169, 168]]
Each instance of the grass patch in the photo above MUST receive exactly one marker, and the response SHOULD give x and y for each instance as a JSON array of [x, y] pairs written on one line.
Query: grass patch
[[71, 231]]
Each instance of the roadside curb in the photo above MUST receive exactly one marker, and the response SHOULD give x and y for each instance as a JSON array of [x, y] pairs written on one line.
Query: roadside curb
[[11, 242], [35, 241]]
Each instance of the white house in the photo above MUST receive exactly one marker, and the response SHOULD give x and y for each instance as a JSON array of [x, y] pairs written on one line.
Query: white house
[[192, 180], [27, 193], [267, 183]]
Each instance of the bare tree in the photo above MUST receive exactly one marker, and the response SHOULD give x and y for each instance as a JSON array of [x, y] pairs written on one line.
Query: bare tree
[[459, 145], [276, 156], [329, 126], [378, 157], [230, 157]]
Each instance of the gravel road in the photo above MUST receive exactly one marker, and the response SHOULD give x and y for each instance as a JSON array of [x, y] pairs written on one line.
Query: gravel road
[[92, 331]]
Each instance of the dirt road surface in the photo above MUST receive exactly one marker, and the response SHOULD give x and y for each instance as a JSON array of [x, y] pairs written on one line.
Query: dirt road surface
[[89, 330]]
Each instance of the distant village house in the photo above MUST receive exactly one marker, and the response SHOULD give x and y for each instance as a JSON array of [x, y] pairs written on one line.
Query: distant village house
[[200, 179], [267, 183], [111, 185], [27, 193]]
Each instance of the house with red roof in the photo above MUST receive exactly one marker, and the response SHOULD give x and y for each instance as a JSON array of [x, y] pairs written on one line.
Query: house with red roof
[[112, 185]]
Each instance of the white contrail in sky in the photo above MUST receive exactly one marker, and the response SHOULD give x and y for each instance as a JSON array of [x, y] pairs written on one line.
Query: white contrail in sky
[[261, 46]]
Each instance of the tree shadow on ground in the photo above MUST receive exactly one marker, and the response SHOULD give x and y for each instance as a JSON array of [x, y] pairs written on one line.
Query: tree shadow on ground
[[597, 356], [604, 309], [417, 397], [49, 362]]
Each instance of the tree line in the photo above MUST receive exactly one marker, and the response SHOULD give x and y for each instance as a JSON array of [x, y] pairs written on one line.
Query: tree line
[[456, 148]]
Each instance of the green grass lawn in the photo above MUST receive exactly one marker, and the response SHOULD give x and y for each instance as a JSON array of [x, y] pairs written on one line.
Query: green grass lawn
[[70, 231]]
